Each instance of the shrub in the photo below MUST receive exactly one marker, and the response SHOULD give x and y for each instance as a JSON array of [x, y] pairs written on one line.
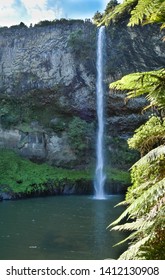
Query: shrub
[[80, 135]]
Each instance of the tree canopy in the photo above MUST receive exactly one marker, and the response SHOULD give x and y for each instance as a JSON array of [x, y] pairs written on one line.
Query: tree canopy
[[138, 12], [98, 17]]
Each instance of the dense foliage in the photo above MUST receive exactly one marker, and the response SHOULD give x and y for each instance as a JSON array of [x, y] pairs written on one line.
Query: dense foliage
[[148, 136], [21, 177], [98, 17], [150, 83], [137, 11], [57, 21], [80, 135], [145, 213], [82, 45], [145, 199], [119, 13]]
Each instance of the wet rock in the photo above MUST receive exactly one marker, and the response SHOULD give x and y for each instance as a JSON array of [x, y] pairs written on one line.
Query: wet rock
[[53, 80]]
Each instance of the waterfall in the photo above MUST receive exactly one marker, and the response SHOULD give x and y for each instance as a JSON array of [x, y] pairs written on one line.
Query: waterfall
[[99, 172]]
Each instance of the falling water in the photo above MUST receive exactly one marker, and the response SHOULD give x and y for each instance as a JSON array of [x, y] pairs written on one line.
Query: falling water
[[99, 173]]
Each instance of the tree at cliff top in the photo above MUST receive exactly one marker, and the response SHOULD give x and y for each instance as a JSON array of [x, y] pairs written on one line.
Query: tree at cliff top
[[98, 17], [145, 199], [138, 12]]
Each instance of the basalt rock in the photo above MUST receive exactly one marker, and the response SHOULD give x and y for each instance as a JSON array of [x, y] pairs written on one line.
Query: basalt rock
[[48, 76]]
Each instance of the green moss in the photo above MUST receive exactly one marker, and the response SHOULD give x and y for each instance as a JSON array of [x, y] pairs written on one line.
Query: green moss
[[21, 176], [10, 112], [15, 110], [80, 135], [117, 175], [82, 45], [25, 127]]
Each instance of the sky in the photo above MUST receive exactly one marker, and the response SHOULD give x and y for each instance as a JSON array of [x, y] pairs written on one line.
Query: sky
[[13, 12]]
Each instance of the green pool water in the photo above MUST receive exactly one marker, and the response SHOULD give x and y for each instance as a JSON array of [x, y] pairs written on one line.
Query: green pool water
[[59, 228]]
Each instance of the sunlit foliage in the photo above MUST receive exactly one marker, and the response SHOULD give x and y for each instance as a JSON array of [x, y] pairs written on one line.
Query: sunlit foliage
[[144, 216]]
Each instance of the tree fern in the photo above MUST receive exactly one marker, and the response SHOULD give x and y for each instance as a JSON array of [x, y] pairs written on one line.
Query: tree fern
[[150, 83], [119, 12], [139, 11], [151, 156], [133, 252], [144, 202], [149, 135], [147, 11], [144, 216]]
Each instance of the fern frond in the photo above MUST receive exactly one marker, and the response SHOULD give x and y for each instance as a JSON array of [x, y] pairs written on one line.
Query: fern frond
[[151, 156], [151, 83], [142, 9], [147, 11], [163, 26], [157, 213], [135, 225], [119, 11], [157, 15], [135, 191], [146, 201], [133, 250], [148, 135], [122, 203]]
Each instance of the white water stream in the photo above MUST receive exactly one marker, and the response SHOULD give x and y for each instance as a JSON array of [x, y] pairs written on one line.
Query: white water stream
[[99, 173]]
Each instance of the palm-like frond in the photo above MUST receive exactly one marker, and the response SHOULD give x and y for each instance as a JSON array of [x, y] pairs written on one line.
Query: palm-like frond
[[150, 83], [144, 203], [146, 196], [151, 156], [118, 12], [140, 12], [148, 135], [148, 11], [135, 225], [132, 252], [147, 231]]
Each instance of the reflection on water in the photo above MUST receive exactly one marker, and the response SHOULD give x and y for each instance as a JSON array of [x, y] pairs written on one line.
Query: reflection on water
[[61, 227]]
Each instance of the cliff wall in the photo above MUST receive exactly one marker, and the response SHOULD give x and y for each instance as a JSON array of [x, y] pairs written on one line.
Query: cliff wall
[[47, 88]]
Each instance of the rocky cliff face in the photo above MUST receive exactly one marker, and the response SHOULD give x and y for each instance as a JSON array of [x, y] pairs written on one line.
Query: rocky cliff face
[[47, 87]]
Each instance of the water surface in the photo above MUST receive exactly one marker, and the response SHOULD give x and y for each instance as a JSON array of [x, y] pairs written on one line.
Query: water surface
[[60, 227]]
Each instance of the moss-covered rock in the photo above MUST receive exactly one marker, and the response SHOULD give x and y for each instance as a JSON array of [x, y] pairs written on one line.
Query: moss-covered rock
[[20, 177]]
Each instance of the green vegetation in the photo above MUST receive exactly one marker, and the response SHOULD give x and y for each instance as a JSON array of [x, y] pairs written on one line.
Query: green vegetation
[[80, 135], [148, 136], [136, 11], [145, 199], [121, 156], [21, 25], [117, 175], [19, 176], [8, 116], [57, 21], [82, 45], [16, 110], [150, 83], [44, 23], [98, 17], [115, 13], [145, 213], [147, 11]]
